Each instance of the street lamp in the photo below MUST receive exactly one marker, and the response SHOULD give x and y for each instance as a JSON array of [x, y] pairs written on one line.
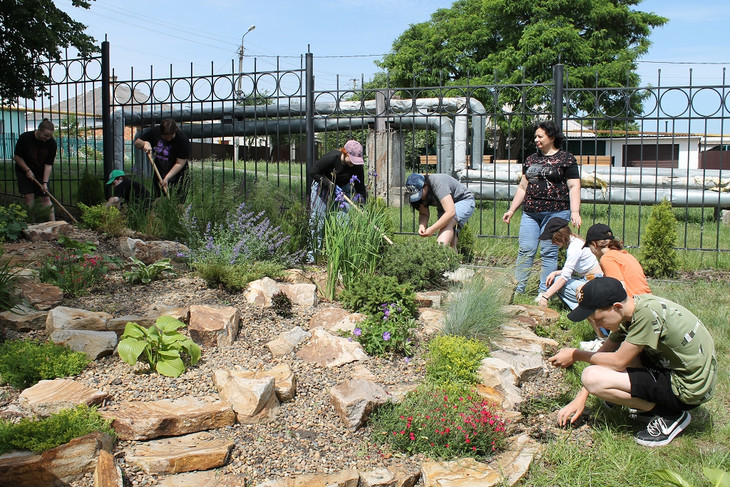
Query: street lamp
[[240, 57], [239, 93]]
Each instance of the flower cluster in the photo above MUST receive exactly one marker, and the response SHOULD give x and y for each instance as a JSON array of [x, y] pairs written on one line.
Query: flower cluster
[[387, 332], [73, 271], [443, 426]]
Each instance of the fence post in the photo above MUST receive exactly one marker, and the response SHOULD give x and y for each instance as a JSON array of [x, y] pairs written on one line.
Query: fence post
[[558, 95], [309, 122], [107, 133]]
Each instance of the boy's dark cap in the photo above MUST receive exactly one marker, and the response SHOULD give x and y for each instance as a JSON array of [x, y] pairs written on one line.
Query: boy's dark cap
[[599, 231], [414, 185], [599, 293], [553, 225]]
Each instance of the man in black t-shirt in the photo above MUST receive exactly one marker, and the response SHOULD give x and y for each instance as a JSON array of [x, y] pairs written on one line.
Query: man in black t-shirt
[[34, 154], [170, 149]]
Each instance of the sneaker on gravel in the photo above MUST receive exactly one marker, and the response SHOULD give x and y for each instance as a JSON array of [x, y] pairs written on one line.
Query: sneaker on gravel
[[592, 346], [662, 430]]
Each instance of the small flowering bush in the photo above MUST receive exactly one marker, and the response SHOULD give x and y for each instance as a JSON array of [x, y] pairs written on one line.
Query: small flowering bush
[[387, 332], [443, 423], [73, 271]]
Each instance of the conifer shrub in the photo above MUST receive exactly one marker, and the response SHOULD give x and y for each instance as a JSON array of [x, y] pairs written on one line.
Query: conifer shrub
[[91, 190], [367, 293], [466, 243], [421, 262], [658, 254], [24, 363], [104, 219]]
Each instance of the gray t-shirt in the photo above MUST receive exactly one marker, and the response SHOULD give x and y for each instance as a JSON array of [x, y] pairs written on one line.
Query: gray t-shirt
[[443, 185]]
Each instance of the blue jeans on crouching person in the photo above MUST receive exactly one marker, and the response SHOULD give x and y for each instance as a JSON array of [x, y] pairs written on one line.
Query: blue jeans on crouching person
[[531, 226]]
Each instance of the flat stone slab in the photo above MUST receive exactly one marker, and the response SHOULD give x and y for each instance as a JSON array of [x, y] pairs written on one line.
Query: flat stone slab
[[50, 396], [197, 451]]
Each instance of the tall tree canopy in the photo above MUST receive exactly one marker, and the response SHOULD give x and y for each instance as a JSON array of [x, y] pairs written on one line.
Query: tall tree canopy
[[478, 38], [32, 31]]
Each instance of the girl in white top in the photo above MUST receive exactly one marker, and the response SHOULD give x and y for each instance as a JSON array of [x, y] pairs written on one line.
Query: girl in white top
[[579, 260]]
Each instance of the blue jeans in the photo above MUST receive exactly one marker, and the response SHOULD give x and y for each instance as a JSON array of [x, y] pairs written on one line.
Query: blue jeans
[[531, 226]]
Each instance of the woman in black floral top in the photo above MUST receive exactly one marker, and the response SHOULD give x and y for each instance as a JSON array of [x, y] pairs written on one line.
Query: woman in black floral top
[[550, 187]]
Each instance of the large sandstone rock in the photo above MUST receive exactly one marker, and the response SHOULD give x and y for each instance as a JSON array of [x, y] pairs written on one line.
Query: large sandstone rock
[[65, 318], [94, 344], [429, 299], [356, 399], [501, 380], [51, 396], [39, 295], [214, 327], [206, 478], [136, 420], [345, 478], [261, 291], [107, 473], [287, 341], [514, 463], [465, 472], [23, 318], [304, 294], [57, 466], [151, 252], [197, 451], [149, 318], [328, 350], [432, 320], [46, 231], [253, 399]]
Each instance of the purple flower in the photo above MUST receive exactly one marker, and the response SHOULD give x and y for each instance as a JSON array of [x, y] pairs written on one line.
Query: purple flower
[[357, 332], [407, 360], [386, 335], [354, 179]]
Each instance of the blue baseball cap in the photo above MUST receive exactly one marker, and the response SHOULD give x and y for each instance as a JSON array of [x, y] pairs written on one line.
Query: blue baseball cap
[[414, 186]]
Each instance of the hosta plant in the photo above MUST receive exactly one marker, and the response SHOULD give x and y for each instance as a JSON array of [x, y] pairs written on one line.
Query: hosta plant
[[144, 274], [161, 346]]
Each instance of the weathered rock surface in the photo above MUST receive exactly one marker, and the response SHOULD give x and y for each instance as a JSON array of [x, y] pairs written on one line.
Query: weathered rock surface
[[65, 318], [252, 399], [327, 350], [214, 327], [356, 399], [51, 396], [94, 344], [197, 451]]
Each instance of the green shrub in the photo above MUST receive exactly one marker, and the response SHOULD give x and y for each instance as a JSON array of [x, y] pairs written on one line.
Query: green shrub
[[281, 304], [475, 308], [658, 255], [73, 271], [466, 243], [39, 435], [91, 190], [24, 363], [105, 219], [13, 220], [366, 293], [217, 273], [160, 346], [454, 359], [420, 262], [37, 213], [441, 422], [390, 331], [144, 274]]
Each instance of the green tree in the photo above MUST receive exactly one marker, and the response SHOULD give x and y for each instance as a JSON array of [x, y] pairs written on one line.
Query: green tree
[[33, 30], [518, 41]]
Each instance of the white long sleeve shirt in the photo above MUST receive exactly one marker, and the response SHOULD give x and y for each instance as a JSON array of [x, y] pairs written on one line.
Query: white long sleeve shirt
[[578, 259]]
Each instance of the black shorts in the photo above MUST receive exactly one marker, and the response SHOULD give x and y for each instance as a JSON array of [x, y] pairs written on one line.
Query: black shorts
[[655, 385], [28, 186]]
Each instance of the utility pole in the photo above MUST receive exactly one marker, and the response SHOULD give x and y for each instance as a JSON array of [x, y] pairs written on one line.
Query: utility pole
[[239, 94]]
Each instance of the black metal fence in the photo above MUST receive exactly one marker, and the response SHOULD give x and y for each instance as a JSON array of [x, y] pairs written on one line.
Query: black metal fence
[[636, 145]]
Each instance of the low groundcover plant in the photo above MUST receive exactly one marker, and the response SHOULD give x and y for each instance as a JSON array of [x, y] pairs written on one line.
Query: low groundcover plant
[[442, 423], [388, 331]]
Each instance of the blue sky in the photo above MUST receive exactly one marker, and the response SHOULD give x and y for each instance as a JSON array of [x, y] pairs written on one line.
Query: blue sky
[[347, 36]]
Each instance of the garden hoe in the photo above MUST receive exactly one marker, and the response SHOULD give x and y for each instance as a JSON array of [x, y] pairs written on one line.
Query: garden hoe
[[159, 178], [56, 202], [358, 209]]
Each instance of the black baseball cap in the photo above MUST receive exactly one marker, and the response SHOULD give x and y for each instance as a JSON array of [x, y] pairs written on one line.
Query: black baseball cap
[[599, 293], [553, 225], [599, 231]]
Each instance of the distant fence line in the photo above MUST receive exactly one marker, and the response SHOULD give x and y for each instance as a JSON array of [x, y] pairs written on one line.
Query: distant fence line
[[673, 147]]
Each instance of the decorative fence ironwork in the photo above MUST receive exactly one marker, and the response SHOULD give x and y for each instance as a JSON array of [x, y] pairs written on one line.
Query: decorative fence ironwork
[[636, 145]]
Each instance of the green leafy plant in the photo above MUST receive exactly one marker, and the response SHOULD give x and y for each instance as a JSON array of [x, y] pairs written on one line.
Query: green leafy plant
[[13, 220], [441, 422], [217, 273], [91, 190], [454, 359], [73, 271], [105, 219], [39, 435], [353, 244], [390, 331], [160, 346], [420, 262], [717, 477], [475, 308], [366, 294], [658, 255], [144, 274], [24, 363], [77, 245], [281, 304]]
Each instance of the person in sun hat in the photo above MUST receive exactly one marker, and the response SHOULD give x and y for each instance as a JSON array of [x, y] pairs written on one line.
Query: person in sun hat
[[615, 261], [454, 204], [338, 172], [124, 190], [659, 359]]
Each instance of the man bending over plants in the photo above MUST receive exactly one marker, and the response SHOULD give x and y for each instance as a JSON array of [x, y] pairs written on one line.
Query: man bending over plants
[[659, 359]]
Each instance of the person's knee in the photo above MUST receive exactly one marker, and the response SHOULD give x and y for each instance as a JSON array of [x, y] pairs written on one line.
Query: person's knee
[[591, 378]]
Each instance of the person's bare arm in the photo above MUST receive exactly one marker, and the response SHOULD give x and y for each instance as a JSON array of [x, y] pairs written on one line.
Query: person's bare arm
[[517, 200], [574, 193]]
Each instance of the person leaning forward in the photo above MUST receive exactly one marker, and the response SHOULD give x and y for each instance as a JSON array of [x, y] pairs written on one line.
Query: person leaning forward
[[658, 360], [170, 149], [34, 154]]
